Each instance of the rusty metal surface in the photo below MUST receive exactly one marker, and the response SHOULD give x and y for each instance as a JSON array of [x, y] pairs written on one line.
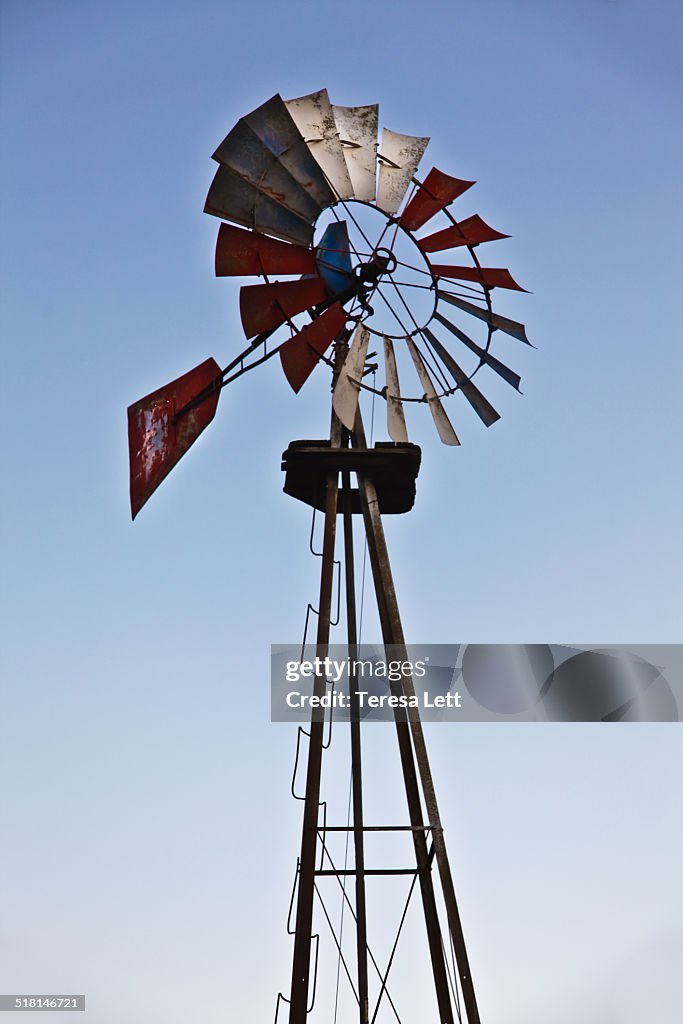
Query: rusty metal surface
[[265, 306], [233, 198], [314, 117], [243, 253], [503, 371], [400, 156], [433, 194], [347, 388], [495, 320], [481, 405], [248, 156], [396, 421], [490, 277], [275, 126], [300, 355], [470, 231], [158, 438], [442, 423], [393, 467], [358, 127]]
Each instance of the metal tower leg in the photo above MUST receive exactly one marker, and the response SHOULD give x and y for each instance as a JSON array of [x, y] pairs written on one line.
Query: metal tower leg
[[392, 631], [309, 839], [356, 763]]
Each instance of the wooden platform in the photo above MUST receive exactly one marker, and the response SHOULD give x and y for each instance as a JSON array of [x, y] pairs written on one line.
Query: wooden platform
[[393, 467]]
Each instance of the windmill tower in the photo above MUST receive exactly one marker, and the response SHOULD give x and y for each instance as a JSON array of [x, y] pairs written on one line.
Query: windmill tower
[[306, 192]]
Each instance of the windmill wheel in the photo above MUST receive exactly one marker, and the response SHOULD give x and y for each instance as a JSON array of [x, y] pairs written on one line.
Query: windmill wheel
[[324, 204], [347, 241]]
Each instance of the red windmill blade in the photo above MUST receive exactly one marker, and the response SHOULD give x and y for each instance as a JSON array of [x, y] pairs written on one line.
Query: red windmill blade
[[301, 354], [436, 192], [263, 307], [489, 277], [242, 253], [471, 231]]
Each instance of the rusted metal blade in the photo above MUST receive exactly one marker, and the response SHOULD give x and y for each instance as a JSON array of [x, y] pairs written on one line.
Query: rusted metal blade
[[333, 258], [300, 355], [233, 198], [273, 125], [396, 422], [314, 117], [248, 156], [470, 231], [263, 307], [503, 371], [495, 321], [434, 193], [399, 157], [441, 420], [158, 437], [243, 253], [483, 408], [347, 388], [357, 128], [490, 277]]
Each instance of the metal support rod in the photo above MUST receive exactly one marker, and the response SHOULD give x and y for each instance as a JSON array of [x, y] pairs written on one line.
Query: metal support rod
[[356, 759], [392, 634], [301, 963], [392, 631]]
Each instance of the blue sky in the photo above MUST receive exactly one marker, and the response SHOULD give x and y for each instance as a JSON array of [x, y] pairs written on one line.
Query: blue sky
[[137, 755]]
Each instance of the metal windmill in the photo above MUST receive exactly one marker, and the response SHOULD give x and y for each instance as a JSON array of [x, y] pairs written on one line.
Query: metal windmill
[[320, 204]]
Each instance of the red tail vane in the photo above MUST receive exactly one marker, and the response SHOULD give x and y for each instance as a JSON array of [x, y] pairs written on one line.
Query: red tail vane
[[263, 307], [245, 253], [158, 437], [300, 355], [436, 192]]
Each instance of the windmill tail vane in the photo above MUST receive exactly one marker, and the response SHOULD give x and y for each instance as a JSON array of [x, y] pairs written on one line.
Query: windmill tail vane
[[346, 244]]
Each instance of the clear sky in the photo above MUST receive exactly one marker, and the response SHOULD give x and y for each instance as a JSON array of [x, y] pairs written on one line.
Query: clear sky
[[148, 839]]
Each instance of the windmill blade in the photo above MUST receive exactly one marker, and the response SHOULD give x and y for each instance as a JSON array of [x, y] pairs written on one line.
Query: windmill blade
[[244, 253], [433, 194], [494, 320], [300, 355], [503, 371], [263, 307], [333, 258], [483, 408], [243, 152], [233, 198], [396, 422], [314, 117], [357, 128], [489, 277], [158, 437], [441, 420], [347, 388], [273, 125], [470, 231], [399, 157]]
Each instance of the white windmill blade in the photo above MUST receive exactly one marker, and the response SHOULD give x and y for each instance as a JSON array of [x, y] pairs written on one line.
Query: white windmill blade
[[314, 118], [396, 421], [347, 388], [441, 420], [358, 127], [399, 157]]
